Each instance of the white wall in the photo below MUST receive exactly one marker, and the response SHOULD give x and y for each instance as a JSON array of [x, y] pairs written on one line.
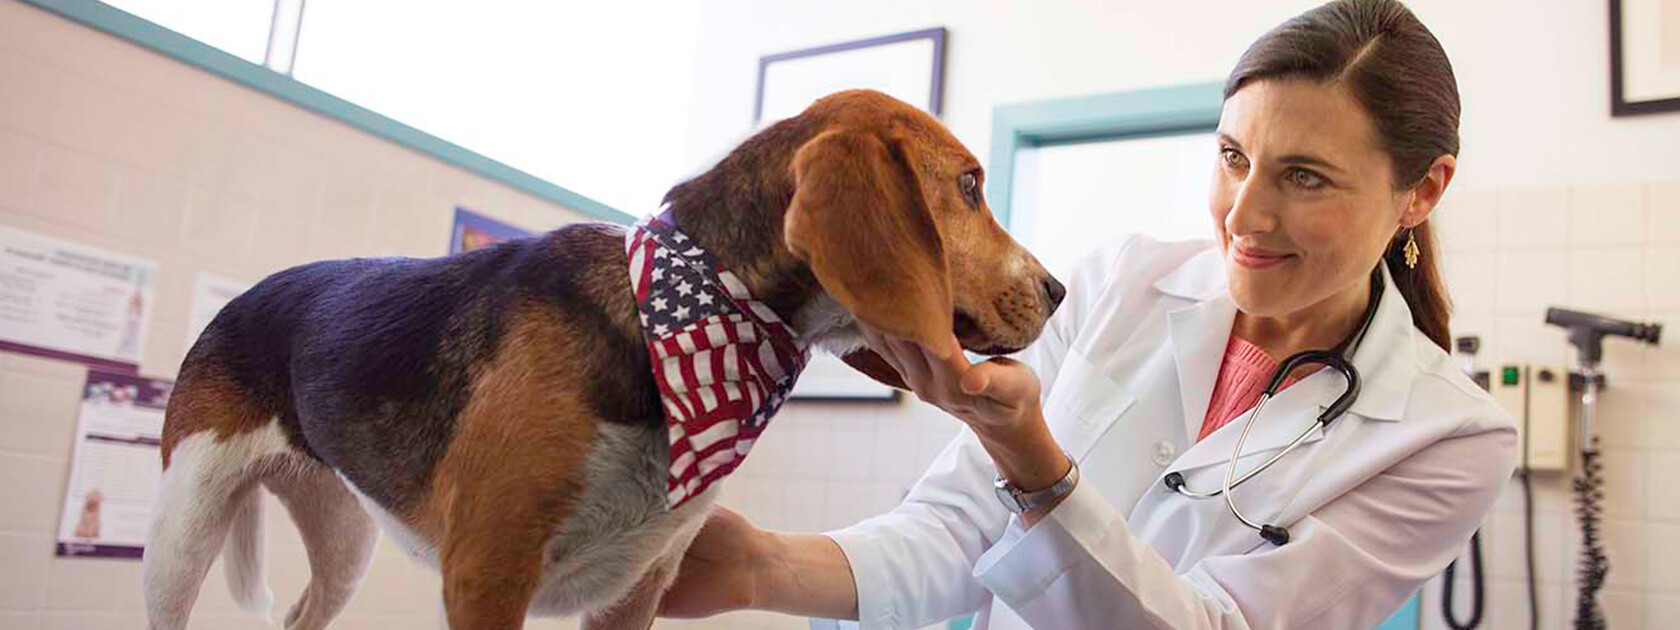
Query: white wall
[[107, 144], [1555, 203]]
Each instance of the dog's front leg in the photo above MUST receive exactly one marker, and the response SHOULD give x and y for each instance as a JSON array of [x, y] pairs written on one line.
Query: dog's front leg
[[489, 578], [636, 610]]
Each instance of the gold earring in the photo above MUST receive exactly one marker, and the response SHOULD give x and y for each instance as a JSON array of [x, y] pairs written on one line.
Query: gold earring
[[1411, 249]]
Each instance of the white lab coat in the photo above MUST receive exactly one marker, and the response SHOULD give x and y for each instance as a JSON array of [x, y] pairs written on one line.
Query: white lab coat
[[1376, 504]]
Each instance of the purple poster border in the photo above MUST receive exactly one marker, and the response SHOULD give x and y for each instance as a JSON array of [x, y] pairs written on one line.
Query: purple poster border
[[108, 365], [84, 550]]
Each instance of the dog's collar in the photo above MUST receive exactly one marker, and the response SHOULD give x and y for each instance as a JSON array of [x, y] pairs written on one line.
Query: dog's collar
[[724, 361]]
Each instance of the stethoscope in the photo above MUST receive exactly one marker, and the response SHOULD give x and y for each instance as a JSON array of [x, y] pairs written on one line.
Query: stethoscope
[[1336, 359]]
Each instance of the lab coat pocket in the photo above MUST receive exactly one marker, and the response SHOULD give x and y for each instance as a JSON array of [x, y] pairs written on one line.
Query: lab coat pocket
[[1084, 403]]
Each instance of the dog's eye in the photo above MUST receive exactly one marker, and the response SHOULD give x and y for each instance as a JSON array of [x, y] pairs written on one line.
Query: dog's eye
[[969, 184]]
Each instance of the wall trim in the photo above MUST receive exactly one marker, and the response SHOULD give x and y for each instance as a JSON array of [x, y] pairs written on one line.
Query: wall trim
[[1137, 113], [108, 19]]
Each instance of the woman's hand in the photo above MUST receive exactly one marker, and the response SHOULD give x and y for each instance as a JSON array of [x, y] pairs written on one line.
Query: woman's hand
[[997, 398], [719, 570], [996, 394], [732, 565]]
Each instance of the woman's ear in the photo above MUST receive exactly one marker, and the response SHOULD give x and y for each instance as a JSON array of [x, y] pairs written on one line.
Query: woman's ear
[[1427, 193]]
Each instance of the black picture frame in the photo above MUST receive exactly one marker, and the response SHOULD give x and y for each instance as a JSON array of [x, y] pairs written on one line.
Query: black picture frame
[[936, 90], [1619, 105]]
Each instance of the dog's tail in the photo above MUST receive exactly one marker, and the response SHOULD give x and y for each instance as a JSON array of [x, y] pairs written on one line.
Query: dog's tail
[[242, 558]]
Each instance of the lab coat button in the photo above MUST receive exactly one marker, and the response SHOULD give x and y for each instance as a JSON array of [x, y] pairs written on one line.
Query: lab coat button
[[1165, 452]]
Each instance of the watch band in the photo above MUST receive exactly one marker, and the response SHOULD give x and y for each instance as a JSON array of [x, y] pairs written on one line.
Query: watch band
[[1019, 501]]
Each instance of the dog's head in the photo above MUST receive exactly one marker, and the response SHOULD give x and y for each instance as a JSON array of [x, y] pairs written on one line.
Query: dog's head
[[889, 214]]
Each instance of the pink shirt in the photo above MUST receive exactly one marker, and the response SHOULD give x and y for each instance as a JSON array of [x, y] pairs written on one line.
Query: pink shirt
[[1242, 377]]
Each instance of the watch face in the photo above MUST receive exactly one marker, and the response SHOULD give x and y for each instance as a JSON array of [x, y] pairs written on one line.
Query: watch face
[[1008, 498]]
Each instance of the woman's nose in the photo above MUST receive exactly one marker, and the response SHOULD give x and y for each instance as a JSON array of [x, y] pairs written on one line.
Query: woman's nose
[[1251, 210]]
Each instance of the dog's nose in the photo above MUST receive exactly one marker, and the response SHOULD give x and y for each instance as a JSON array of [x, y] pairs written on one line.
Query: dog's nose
[[1055, 290]]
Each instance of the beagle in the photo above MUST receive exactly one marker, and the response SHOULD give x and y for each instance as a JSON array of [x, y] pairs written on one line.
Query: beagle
[[505, 414]]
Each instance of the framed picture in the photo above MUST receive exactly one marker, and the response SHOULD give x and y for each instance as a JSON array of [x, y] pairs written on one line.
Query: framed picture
[[473, 231], [1644, 57], [909, 66]]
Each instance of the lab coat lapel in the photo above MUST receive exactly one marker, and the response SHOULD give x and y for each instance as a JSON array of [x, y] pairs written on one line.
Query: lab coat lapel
[[1199, 331]]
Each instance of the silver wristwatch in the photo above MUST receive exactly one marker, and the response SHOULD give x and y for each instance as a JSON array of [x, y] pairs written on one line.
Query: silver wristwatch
[[1019, 501]]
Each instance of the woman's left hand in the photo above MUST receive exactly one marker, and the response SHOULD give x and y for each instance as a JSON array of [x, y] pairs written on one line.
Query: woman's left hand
[[997, 398], [993, 395]]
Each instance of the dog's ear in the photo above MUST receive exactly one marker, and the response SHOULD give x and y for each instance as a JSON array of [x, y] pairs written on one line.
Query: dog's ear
[[861, 223], [873, 366]]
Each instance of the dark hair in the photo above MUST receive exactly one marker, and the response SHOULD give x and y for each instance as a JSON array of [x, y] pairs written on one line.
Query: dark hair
[[1395, 68]]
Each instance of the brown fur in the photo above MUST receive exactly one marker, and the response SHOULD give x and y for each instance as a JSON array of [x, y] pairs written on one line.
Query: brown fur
[[509, 476]]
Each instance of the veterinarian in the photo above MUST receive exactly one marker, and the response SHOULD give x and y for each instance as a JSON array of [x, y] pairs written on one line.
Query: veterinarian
[[1067, 503]]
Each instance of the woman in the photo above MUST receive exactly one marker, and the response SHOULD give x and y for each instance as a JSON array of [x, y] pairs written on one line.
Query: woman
[[1337, 139]]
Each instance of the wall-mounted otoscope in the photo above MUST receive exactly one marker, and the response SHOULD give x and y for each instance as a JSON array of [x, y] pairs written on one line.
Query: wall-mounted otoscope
[[1587, 332]]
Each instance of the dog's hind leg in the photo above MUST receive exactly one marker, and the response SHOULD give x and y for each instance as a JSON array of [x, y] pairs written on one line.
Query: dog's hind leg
[[208, 488], [338, 534]]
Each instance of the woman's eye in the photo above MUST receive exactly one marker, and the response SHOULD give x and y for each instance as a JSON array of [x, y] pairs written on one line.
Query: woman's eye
[[1232, 158], [1306, 179], [970, 187]]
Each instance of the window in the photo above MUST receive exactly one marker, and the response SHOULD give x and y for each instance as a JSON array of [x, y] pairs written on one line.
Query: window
[[1072, 198], [594, 95], [238, 27]]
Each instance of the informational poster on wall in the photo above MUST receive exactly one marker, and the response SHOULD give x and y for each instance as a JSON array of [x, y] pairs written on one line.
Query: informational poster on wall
[[116, 467], [475, 231], [70, 301], [210, 293]]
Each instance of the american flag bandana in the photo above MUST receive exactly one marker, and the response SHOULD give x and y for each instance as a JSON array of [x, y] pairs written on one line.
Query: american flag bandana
[[724, 361]]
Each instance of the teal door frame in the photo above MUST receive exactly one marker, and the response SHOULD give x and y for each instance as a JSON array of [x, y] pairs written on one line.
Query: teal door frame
[[1139, 113]]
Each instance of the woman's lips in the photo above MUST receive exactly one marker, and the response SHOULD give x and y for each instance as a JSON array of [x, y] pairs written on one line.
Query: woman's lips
[[1257, 258]]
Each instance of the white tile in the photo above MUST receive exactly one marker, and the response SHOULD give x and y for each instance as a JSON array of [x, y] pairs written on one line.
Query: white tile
[[1508, 601], [1607, 280], [1662, 428], [1527, 338], [848, 502], [1628, 548], [218, 228], [20, 169], [76, 188], [1622, 415], [1531, 280], [1472, 277], [80, 620], [1468, 221], [38, 413], [1534, 218], [1661, 610], [30, 88], [1664, 561], [1662, 469], [25, 559], [1662, 202], [11, 620], [344, 221], [1662, 277], [33, 493], [83, 584], [1623, 609], [1606, 214], [853, 455], [166, 347], [803, 506], [1624, 482], [1506, 550], [148, 207], [90, 116]]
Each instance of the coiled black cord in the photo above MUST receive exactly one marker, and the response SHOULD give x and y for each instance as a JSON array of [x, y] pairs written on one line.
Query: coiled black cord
[[1593, 566], [1475, 585]]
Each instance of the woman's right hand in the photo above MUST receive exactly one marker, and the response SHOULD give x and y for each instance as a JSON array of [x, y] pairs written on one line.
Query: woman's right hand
[[719, 570]]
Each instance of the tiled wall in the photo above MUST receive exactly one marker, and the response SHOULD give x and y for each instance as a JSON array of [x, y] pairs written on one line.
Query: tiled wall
[[1614, 249], [106, 144]]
